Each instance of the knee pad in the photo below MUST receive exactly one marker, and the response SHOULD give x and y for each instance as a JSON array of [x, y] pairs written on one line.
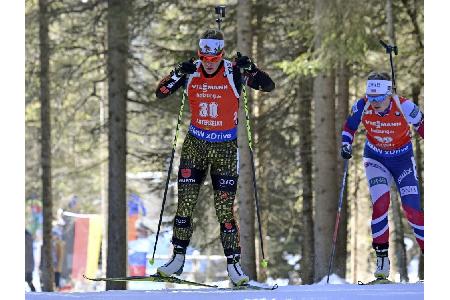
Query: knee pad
[[224, 183], [190, 176], [180, 243], [228, 227], [232, 251]]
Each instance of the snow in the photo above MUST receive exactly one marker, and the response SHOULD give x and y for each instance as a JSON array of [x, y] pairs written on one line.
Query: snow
[[300, 292]]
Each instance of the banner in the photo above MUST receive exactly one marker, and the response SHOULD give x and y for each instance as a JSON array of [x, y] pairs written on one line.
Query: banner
[[87, 238]]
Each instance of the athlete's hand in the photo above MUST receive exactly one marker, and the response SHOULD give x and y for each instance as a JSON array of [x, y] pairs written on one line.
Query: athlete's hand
[[346, 151], [245, 62], [185, 67]]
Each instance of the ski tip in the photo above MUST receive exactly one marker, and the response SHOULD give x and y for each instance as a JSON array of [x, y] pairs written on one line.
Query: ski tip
[[264, 263]]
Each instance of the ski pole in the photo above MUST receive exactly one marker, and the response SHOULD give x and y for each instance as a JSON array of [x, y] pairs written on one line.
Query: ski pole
[[264, 262], [389, 49], [180, 114], [338, 217]]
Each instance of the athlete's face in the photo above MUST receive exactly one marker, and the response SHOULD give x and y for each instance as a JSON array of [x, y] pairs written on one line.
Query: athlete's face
[[210, 67], [381, 106]]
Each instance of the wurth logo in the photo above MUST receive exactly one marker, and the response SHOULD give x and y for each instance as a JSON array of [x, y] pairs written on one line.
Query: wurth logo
[[186, 180]]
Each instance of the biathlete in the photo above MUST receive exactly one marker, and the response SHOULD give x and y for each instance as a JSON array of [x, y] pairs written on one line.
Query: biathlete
[[388, 157], [213, 86]]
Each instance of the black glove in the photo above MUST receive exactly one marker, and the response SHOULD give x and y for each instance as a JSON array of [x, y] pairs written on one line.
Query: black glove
[[346, 151], [185, 67], [244, 62]]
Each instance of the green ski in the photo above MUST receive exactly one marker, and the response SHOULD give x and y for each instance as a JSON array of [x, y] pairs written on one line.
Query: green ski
[[172, 279], [155, 278]]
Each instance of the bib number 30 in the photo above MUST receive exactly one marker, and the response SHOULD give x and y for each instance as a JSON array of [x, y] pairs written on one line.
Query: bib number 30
[[208, 109]]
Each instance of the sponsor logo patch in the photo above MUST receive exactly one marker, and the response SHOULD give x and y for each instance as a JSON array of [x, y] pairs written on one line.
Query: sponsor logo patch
[[354, 108], [370, 164], [186, 173], [403, 175], [224, 182], [414, 112], [378, 180], [408, 190], [384, 140], [379, 124]]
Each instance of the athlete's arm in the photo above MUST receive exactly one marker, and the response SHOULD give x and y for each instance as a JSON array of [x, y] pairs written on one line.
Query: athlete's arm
[[352, 122], [256, 79], [414, 116], [170, 84]]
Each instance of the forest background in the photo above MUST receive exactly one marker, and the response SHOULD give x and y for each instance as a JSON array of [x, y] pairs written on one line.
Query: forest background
[[308, 47]]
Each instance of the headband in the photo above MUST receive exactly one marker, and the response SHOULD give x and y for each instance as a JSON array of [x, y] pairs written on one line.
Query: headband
[[211, 46], [379, 87]]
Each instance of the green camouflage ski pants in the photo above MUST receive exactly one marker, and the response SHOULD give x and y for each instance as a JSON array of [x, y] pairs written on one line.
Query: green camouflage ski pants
[[196, 156]]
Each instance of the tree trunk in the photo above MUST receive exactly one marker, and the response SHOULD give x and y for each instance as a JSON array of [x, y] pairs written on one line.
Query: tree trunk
[[245, 187], [399, 234], [46, 156], [307, 247], [340, 264], [324, 139], [117, 67]]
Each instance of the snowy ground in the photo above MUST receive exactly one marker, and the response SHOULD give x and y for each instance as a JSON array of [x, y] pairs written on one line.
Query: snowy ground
[[301, 292]]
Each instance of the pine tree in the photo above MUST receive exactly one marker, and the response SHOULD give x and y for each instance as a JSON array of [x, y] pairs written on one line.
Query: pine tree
[[46, 148], [117, 141]]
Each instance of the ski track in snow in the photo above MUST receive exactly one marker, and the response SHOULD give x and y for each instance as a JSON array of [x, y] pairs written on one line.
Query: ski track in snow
[[300, 292]]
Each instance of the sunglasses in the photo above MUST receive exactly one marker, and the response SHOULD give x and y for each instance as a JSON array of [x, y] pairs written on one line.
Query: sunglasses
[[377, 98], [210, 58]]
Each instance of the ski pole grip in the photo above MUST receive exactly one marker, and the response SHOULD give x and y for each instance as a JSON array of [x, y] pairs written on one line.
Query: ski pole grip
[[264, 263]]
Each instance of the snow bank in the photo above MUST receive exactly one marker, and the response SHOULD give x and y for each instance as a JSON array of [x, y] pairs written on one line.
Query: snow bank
[[300, 292]]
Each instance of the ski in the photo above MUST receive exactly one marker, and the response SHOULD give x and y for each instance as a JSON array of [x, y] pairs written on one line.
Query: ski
[[377, 281], [158, 278], [387, 281], [154, 278], [253, 286]]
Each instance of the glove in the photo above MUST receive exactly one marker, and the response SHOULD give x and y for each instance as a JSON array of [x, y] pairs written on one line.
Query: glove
[[185, 67], [244, 62], [346, 151]]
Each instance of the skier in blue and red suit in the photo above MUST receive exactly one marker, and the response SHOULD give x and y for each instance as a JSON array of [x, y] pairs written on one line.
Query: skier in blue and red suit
[[388, 156]]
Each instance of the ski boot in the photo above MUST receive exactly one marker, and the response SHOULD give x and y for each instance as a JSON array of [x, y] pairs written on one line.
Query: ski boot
[[175, 264], [235, 273], [383, 263]]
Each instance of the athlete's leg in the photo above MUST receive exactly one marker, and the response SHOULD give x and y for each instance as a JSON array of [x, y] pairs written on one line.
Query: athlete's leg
[[192, 170], [405, 175], [379, 180], [224, 176], [191, 173]]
